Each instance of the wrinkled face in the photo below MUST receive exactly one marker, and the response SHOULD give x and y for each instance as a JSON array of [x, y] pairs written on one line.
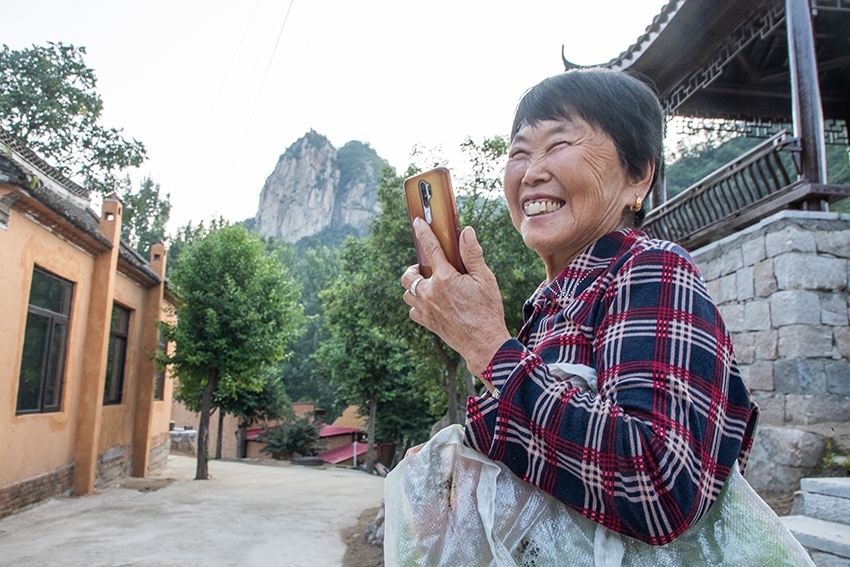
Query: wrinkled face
[[565, 188]]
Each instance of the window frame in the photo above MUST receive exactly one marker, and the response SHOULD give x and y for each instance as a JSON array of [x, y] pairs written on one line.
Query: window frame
[[159, 378], [55, 320], [118, 337]]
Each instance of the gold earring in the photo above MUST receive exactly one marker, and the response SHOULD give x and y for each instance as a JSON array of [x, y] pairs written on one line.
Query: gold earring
[[638, 204]]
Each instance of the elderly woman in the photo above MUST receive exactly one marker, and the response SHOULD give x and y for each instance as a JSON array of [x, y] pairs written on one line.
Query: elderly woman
[[645, 448]]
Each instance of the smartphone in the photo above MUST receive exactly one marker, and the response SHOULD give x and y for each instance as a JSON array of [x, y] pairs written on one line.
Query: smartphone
[[430, 197]]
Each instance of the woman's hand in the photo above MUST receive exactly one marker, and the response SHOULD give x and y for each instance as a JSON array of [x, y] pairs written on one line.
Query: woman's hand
[[465, 310]]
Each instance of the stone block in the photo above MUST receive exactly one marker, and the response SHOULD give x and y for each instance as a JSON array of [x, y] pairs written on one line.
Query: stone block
[[757, 315], [710, 270], [807, 271], [766, 344], [835, 242], [731, 261], [795, 307], [791, 447], [764, 280], [789, 239], [803, 409], [713, 288], [799, 376], [728, 288], [781, 456], [842, 341], [745, 347], [745, 282], [837, 377], [834, 309], [753, 250], [771, 407], [805, 341], [733, 315], [822, 559], [758, 375]]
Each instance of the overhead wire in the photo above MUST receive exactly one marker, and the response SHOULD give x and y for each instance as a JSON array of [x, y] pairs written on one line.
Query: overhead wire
[[262, 84]]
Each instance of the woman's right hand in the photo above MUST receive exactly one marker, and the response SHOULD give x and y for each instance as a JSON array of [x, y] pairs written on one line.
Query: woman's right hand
[[465, 310]]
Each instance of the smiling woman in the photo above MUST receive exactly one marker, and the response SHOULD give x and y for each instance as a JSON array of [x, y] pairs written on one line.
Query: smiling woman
[[620, 396]]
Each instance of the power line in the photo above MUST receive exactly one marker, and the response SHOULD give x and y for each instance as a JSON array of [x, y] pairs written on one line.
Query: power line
[[262, 84]]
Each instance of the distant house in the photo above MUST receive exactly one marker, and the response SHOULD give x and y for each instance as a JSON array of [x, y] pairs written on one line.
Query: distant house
[[83, 401]]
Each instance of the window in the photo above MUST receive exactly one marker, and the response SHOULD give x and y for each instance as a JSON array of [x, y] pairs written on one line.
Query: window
[[117, 355], [159, 385], [45, 344]]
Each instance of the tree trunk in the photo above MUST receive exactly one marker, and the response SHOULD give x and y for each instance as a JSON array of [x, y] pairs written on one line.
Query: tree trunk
[[218, 437], [241, 435], [451, 364], [370, 453], [451, 392], [468, 380], [204, 425]]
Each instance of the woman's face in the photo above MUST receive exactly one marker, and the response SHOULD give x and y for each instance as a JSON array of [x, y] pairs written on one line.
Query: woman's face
[[565, 188]]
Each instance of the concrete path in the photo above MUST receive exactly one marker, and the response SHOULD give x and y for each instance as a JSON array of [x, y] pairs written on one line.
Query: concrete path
[[246, 515]]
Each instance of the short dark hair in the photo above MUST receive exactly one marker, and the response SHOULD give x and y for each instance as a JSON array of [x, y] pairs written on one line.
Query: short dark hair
[[623, 107]]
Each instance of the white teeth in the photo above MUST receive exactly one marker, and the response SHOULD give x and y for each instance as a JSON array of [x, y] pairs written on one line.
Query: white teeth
[[539, 207]]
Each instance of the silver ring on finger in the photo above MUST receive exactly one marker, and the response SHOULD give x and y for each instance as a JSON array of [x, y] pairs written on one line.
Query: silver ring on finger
[[413, 287]]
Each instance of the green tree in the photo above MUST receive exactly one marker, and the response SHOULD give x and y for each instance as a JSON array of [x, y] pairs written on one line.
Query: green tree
[[316, 269], [366, 362], [145, 215], [239, 309], [49, 100]]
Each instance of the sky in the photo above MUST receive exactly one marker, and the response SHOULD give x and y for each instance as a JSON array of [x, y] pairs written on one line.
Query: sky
[[218, 90]]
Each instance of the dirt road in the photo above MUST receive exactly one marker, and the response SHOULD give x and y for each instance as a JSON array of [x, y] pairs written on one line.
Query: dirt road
[[245, 515]]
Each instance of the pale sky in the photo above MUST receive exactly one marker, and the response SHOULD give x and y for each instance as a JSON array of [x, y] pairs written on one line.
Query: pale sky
[[183, 76]]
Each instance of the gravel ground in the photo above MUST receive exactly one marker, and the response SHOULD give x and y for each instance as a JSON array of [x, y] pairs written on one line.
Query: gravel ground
[[244, 515]]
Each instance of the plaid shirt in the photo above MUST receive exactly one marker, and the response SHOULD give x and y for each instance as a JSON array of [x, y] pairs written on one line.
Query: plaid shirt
[[649, 454]]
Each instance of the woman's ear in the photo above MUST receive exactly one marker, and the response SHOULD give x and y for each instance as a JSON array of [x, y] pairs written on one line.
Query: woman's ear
[[643, 182]]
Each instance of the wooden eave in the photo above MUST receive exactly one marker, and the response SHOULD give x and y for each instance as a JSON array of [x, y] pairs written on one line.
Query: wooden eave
[[756, 81]]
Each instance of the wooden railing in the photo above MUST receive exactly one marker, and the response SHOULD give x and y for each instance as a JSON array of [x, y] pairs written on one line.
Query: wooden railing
[[736, 194]]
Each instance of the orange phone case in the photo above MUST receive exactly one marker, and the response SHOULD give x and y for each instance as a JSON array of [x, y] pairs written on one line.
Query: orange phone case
[[430, 197]]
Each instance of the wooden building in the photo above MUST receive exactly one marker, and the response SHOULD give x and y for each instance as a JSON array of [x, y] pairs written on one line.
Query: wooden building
[[773, 69]]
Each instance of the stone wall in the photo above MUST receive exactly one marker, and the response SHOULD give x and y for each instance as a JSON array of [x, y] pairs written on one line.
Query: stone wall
[[158, 454], [33, 490], [782, 289], [116, 462]]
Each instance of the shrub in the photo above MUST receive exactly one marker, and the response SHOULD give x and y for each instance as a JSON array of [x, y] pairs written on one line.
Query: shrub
[[296, 435]]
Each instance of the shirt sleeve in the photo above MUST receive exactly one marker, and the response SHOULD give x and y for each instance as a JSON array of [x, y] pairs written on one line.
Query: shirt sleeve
[[649, 455]]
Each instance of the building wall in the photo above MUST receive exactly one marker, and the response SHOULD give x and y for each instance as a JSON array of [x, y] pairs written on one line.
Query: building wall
[[38, 451], [782, 289], [33, 444]]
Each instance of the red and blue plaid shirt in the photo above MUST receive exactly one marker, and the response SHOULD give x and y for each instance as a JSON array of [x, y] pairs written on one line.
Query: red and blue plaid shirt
[[649, 454]]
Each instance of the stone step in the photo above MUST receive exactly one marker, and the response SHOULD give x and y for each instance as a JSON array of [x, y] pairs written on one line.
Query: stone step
[[838, 486], [822, 507], [819, 535]]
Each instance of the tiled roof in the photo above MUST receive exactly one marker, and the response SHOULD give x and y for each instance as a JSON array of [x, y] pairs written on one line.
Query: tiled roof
[[332, 430], [14, 143], [336, 456]]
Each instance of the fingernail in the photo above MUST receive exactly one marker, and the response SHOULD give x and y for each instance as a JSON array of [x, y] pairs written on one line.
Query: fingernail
[[416, 222], [468, 235]]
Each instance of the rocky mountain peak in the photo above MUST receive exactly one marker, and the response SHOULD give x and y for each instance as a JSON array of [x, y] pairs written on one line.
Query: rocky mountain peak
[[314, 186]]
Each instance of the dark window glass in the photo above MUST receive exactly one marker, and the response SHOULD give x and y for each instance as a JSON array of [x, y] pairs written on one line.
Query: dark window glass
[[159, 385], [45, 343], [117, 355]]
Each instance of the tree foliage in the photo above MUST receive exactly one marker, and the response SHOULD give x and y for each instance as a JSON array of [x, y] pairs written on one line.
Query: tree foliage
[[239, 309], [295, 435], [145, 215], [49, 100]]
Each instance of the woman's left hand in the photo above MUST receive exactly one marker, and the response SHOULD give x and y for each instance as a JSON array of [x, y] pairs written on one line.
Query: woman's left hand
[[465, 310]]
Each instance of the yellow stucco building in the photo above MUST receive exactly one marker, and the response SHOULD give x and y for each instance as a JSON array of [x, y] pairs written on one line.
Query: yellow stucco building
[[81, 401]]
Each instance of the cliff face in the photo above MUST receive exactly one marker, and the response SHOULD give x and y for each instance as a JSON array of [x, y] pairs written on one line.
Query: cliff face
[[315, 186]]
